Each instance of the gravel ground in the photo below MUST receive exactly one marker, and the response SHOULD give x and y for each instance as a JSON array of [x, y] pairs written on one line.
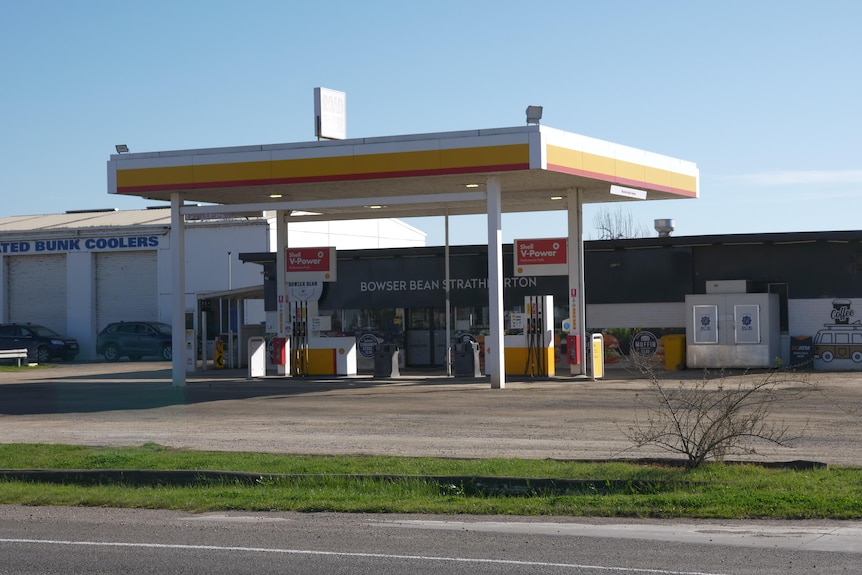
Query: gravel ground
[[564, 418]]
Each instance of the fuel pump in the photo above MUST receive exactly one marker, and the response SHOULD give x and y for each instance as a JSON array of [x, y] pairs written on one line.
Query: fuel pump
[[300, 338], [538, 335]]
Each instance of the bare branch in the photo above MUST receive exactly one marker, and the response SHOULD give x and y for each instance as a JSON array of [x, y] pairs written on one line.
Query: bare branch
[[618, 224], [709, 419]]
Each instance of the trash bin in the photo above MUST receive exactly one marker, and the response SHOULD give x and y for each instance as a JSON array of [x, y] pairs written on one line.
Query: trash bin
[[467, 359], [674, 351], [596, 363], [386, 360]]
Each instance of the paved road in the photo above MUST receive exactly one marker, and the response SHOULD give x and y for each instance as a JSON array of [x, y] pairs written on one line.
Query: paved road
[[134, 403], [75, 541]]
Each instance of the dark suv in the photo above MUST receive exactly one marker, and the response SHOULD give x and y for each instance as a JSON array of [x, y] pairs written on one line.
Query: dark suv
[[42, 344], [135, 339]]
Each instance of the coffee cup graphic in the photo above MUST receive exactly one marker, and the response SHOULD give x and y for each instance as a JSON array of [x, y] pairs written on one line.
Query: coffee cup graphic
[[841, 311]]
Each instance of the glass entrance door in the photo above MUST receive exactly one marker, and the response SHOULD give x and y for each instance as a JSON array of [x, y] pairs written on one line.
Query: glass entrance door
[[426, 337]]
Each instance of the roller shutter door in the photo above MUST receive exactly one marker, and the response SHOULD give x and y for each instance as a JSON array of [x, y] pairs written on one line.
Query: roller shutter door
[[126, 287], [36, 288]]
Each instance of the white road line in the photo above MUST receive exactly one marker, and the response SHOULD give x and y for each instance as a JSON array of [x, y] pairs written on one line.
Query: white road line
[[358, 555], [843, 538]]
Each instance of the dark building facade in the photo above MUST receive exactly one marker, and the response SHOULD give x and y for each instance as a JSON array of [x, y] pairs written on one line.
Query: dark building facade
[[631, 284]]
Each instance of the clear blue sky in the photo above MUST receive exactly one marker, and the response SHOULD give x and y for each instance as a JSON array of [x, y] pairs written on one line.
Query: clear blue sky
[[765, 96]]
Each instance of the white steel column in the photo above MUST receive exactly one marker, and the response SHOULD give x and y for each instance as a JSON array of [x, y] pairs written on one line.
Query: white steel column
[[494, 342], [577, 302], [449, 349], [283, 310], [178, 291]]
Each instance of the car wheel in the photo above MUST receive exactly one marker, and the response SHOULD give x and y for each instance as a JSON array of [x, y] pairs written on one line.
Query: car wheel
[[856, 356], [111, 353], [167, 353], [43, 354], [826, 356], [135, 357]]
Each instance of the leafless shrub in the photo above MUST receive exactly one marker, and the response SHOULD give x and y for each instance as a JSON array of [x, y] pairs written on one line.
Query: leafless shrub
[[712, 418]]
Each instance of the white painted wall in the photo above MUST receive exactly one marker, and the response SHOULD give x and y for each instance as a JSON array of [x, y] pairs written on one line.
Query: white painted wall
[[355, 234], [208, 266], [81, 302], [808, 316]]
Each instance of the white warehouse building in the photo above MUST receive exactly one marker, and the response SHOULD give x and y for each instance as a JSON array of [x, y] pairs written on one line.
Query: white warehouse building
[[78, 271]]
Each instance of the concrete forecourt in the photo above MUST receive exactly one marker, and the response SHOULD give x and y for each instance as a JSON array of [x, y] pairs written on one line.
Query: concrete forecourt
[[129, 404]]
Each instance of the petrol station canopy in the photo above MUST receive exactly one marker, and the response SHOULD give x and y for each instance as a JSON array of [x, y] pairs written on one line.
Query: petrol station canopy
[[405, 176], [522, 169]]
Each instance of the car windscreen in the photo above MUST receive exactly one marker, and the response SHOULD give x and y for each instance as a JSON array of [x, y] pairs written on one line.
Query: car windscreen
[[162, 328], [43, 331]]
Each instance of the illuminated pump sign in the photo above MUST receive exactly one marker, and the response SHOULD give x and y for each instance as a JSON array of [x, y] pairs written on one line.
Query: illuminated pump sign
[[68, 245], [310, 264], [542, 257]]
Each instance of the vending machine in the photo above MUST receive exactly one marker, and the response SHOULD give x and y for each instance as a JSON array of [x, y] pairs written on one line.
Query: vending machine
[[732, 330]]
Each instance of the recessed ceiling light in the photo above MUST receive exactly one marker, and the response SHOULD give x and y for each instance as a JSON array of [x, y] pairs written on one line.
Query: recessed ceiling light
[[275, 195], [471, 186], [375, 207], [556, 197]]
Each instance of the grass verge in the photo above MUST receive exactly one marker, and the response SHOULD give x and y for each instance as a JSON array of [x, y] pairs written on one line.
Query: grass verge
[[414, 485]]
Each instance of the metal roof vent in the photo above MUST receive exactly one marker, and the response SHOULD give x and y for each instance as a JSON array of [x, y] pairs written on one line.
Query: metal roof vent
[[663, 227]]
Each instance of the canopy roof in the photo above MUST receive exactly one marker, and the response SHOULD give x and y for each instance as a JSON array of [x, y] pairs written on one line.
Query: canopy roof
[[405, 176]]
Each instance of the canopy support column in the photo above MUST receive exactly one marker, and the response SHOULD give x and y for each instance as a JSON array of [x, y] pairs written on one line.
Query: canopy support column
[[577, 299], [178, 292], [283, 308], [494, 342], [449, 349]]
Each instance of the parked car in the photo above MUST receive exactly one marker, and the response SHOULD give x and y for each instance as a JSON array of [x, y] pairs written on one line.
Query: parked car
[[42, 344], [135, 339]]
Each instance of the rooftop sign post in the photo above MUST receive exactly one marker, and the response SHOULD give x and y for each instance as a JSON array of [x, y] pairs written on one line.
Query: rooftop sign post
[[330, 114]]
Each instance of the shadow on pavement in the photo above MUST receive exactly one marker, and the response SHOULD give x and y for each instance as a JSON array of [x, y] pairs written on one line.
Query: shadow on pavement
[[111, 387], [135, 390]]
